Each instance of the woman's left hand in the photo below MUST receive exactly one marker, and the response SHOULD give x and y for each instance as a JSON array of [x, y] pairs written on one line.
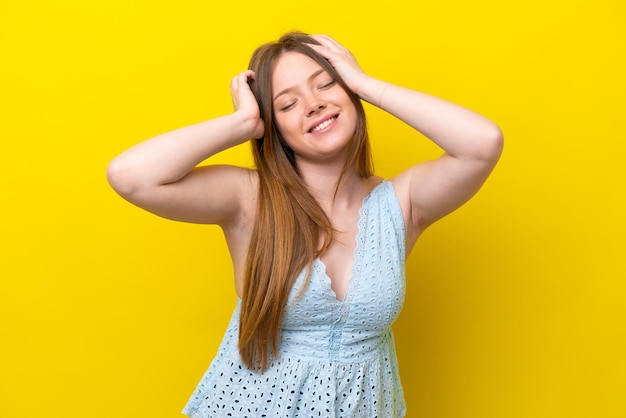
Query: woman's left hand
[[342, 60]]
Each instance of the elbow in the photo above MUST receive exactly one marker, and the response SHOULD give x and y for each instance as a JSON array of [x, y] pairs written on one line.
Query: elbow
[[492, 144], [120, 177]]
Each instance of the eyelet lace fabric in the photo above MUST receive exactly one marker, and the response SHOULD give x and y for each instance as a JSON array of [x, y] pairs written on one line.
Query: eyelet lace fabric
[[337, 358]]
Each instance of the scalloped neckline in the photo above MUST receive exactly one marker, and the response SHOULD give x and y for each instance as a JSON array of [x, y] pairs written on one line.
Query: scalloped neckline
[[357, 257]]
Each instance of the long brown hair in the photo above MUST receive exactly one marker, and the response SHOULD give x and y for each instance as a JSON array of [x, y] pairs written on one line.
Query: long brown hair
[[290, 222]]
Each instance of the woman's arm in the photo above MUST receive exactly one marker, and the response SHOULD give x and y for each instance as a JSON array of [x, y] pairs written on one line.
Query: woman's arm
[[160, 174], [472, 143]]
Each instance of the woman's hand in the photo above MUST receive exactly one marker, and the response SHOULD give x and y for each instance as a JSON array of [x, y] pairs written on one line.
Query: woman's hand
[[343, 61], [246, 106]]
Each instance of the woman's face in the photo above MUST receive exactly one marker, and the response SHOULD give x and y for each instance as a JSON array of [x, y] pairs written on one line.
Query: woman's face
[[312, 111]]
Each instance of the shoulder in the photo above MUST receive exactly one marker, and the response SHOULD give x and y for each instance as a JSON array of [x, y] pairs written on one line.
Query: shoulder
[[402, 187]]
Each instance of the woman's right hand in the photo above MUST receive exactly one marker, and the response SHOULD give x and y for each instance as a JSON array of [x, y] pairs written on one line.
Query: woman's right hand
[[246, 105]]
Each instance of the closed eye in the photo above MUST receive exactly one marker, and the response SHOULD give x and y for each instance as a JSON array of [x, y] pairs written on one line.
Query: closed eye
[[288, 106], [328, 84]]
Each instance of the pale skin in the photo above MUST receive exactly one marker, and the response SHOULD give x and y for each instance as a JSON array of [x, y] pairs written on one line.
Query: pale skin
[[161, 174]]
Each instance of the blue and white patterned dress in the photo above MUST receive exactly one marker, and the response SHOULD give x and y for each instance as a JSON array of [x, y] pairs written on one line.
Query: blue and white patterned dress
[[337, 358]]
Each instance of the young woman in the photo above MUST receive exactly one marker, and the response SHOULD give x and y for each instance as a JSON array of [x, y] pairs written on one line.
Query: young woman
[[318, 243]]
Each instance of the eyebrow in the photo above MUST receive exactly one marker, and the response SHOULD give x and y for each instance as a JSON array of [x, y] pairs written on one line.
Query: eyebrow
[[288, 89]]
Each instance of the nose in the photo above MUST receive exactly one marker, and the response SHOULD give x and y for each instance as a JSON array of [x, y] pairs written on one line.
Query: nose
[[314, 106]]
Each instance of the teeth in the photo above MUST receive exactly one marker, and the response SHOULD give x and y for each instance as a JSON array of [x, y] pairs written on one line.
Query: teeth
[[323, 124]]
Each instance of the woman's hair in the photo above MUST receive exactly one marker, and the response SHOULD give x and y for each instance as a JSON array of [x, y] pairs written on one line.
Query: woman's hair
[[289, 222]]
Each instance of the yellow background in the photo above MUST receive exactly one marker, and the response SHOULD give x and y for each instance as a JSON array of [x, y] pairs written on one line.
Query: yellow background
[[516, 303]]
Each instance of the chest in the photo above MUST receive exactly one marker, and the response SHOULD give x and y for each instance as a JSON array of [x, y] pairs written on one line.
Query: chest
[[338, 259], [366, 278]]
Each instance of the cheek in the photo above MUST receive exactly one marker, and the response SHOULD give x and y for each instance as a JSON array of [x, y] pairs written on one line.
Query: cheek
[[352, 116], [287, 125]]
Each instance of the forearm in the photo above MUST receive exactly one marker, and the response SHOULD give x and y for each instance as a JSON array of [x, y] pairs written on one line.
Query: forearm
[[459, 131], [168, 157]]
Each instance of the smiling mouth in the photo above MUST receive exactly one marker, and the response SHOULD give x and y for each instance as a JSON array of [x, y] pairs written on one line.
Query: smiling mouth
[[323, 125]]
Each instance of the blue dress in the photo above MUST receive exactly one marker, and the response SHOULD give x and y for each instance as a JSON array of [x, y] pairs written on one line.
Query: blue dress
[[337, 358]]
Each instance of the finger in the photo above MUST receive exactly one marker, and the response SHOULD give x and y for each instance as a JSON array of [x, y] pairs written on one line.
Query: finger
[[327, 41], [318, 48], [323, 50], [241, 78], [322, 38], [233, 83]]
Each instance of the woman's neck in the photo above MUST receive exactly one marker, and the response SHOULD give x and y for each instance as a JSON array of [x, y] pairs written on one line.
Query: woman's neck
[[322, 183]]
